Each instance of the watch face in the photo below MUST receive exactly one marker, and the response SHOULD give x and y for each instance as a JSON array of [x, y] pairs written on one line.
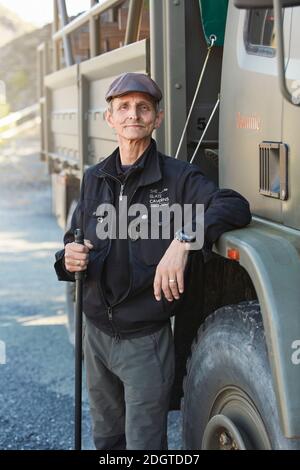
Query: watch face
[[183, 237], [189, 238]]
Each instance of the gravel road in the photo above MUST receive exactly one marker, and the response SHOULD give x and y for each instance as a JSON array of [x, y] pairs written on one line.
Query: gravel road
[[37, 379]]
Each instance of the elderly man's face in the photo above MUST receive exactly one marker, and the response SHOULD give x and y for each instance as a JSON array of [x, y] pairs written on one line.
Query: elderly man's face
[[133, 116]]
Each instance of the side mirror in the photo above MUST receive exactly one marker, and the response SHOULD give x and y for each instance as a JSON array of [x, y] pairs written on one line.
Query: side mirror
[[264, 3]]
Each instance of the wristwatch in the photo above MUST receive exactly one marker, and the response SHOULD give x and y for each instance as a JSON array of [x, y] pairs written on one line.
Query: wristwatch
[[184, 237]]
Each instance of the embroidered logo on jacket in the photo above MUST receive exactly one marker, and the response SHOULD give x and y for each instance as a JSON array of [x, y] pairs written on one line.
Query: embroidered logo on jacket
[[159, 198]]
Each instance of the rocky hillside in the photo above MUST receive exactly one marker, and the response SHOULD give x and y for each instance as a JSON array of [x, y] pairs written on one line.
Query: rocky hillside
[[12, 26], [18, 69]]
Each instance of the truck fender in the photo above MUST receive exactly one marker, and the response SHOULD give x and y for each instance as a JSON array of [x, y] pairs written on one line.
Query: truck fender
[[271, 255]]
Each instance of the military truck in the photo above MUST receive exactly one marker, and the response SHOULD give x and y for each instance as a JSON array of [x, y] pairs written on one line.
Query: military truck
[[232, 107]]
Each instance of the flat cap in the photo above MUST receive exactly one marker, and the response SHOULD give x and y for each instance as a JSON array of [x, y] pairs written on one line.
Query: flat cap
[[133, 82]]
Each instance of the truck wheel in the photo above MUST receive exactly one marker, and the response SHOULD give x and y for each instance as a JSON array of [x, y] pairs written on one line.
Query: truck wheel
[[229, 401]]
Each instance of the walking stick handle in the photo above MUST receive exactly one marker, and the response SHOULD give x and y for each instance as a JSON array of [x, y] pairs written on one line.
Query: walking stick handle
[[78, 234]]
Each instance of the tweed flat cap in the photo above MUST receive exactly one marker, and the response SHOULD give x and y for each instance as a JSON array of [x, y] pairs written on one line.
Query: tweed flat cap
[[130, 82]]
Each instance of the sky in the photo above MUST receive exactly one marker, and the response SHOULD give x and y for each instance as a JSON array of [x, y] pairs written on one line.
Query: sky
[[40, 12]]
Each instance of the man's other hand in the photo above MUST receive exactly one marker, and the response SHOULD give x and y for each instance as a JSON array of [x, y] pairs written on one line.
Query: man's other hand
[[77, 256], [169, 276]]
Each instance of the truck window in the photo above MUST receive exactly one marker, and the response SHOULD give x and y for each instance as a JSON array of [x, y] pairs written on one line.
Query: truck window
[[259, 33]]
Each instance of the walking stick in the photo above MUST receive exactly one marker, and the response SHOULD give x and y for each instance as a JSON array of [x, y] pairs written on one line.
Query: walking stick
[[78, 348]]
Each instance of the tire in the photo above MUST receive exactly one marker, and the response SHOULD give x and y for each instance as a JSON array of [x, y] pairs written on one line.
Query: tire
[[229, 400]]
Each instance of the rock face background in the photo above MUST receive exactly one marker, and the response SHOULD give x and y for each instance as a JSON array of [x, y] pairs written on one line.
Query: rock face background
[[18, 50], [18, 58], [12, 26]]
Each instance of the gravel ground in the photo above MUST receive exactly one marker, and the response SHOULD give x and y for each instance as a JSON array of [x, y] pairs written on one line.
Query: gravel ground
[[37, 380]]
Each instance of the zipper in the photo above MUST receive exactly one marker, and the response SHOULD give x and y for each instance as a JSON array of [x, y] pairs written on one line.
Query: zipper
[[116, 333], [110, 307], [130, 257], [116, 179], [121, 191], [110, 176], [109, 311]]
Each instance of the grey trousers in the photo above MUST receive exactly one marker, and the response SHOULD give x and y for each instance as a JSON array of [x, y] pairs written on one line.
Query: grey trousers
[[129, 383]]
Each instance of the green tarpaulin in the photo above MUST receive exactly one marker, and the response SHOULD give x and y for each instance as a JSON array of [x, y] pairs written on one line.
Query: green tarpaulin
[[213, 17]]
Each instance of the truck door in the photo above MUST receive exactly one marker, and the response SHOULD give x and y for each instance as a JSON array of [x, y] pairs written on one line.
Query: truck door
[[291, 115], [251, 109]]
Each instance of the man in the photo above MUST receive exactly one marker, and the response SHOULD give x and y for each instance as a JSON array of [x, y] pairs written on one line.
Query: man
[[134, 284]]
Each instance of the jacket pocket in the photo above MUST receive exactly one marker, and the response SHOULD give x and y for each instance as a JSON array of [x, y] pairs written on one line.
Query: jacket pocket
[[93, 268]]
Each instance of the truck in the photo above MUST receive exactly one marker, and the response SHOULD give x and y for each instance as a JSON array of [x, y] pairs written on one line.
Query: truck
[[230, 76]]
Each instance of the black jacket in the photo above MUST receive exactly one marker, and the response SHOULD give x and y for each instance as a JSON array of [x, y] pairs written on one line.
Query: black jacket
[[156, 178]]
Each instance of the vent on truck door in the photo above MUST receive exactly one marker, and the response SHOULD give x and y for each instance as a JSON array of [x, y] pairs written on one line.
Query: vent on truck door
[[273, 174]]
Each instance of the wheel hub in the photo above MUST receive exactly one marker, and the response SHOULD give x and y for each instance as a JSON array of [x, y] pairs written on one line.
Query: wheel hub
[[235, 423], [221, 434]]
